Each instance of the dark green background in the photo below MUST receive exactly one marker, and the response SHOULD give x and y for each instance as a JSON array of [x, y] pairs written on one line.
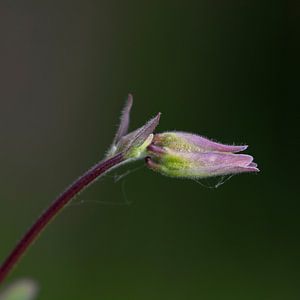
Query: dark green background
[[223, 69]]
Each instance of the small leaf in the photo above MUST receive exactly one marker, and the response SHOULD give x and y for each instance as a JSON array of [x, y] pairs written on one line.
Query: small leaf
[[125, 118], [141, 135], [132, 145], [24, 289]]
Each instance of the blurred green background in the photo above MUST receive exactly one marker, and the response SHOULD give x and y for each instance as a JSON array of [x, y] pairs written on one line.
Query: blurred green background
[[223, 69]]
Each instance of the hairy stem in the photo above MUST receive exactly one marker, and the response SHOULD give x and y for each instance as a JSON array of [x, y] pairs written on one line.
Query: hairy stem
[[55, 207]]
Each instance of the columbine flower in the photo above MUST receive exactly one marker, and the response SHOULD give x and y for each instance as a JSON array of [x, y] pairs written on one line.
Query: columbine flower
[[180, 154]]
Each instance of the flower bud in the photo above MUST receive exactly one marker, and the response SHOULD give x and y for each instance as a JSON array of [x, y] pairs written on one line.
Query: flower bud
[[180, 154]]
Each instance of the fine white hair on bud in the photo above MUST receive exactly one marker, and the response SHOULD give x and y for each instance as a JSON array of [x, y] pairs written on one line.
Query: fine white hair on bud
[[186, 155]]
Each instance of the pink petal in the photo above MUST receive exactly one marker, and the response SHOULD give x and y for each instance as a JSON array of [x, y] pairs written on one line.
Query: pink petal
[[214, 164], [217, 158], [208, 145], [225, 170]]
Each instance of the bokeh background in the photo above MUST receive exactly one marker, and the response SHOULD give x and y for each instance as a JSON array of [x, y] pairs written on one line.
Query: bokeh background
[[224, 69]]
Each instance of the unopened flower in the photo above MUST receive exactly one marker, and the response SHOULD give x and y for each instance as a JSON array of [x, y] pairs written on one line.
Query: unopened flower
[[180, 154]]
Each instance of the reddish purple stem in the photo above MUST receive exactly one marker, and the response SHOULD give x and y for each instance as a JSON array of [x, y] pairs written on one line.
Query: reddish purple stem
[[57, 205]]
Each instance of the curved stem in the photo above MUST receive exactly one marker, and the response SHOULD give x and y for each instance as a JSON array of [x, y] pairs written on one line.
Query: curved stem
[[55, 207]]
